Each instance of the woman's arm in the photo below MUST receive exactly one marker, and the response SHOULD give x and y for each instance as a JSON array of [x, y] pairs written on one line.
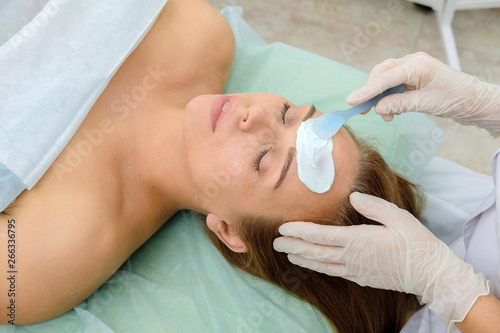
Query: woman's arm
[[54, 258], [483, 317]]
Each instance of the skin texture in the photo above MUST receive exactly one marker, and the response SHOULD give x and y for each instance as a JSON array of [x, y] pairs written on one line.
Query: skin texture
[[483, 317], [229, 185], [152, 156], [83, 220]]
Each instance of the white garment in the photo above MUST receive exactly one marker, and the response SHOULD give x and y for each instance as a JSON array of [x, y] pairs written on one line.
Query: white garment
[[482, 234], [55, 61], [481, 239]]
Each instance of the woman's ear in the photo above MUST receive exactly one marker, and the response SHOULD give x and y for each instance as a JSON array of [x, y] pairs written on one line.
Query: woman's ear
[[226, 233]]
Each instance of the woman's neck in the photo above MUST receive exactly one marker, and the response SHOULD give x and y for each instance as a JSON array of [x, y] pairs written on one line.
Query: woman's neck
[[154, 164]]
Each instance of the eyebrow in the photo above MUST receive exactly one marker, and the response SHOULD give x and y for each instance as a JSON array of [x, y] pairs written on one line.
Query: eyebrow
[[291, 151], [309, 113], [288, 162]]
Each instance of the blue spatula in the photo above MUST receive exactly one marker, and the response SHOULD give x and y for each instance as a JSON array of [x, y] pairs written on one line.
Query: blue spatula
[[326, 125]]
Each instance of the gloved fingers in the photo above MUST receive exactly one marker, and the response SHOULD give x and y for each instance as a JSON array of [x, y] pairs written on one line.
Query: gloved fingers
[[379, 210], [382, 67], [314, 233], [379, 84], [332, 269], [308, 250], [387, 117], [358, 96], [409, 101]]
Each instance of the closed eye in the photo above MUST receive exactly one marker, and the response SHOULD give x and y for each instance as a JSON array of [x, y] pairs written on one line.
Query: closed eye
[[285, 109], [260, 156]]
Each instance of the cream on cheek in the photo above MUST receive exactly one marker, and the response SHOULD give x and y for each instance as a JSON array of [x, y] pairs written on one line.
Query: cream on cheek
[[315, 165]]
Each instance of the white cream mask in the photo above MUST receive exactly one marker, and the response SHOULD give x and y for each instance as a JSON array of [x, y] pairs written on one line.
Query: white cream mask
[[314, 158]]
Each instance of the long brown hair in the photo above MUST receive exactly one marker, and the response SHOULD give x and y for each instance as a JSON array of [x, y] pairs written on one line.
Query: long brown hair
[[348, 306]]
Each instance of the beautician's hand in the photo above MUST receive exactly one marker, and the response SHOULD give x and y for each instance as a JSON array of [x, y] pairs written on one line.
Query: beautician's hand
[[434, 88], [401, 255]]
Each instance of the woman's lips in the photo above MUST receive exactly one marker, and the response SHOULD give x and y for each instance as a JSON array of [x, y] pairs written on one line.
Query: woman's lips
[[217, 113]]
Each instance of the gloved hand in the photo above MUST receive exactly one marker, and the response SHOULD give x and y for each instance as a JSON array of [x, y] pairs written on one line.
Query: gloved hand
[[401, 255], [433, 88]]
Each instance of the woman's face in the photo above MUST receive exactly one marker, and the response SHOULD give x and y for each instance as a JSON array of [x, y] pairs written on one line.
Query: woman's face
[[240, 153]]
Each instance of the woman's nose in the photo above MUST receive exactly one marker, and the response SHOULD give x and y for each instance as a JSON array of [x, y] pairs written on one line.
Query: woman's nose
[[254, 118]]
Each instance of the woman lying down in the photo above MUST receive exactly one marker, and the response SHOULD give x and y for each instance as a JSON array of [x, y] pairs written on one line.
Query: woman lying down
[[79, 224]]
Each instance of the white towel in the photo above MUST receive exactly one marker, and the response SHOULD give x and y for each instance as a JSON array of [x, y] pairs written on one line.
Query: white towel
[[53, 70]]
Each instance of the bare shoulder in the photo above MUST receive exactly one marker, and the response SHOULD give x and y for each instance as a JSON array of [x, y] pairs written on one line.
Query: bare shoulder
[[66, 255], [201, 35], [196, 24], [193, 44]]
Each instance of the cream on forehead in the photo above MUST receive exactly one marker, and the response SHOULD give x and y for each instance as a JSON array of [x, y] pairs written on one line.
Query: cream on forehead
[[314, 159]]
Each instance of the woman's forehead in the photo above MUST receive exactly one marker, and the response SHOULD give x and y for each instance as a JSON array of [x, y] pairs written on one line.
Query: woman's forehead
[[298, 202]]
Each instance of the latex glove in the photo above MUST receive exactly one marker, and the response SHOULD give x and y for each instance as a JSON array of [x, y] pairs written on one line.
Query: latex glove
[[433, 88], [402, 255]]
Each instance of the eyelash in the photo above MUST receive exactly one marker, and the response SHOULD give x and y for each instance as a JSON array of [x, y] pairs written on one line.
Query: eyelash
[[260, 155], [256, 163], [285, 109]]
